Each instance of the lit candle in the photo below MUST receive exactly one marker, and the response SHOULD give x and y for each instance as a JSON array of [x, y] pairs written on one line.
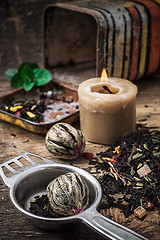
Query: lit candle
[[107, 109]]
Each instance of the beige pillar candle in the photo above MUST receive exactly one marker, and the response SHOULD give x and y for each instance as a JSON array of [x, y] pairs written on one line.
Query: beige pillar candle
[[106, 118]]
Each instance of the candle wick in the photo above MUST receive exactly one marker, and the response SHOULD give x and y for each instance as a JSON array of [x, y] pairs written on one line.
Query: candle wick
[[107, 89]]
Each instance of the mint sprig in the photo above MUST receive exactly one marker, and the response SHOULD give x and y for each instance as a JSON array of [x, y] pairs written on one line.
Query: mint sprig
[[28, 75]]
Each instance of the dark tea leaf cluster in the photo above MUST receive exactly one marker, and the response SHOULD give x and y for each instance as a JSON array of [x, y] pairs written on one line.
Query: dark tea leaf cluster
[[30, 109], [131, 168], [40, 206]]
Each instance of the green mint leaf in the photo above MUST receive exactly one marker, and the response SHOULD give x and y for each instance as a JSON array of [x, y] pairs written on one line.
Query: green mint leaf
[[42, 76], [9, 73], [16, 81], [29, 64], [28, 84], [26, 73], [33, 65], [23, 76]]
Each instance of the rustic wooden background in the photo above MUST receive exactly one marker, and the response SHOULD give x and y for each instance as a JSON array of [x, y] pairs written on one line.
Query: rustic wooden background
[[21, 31], [21, 40]]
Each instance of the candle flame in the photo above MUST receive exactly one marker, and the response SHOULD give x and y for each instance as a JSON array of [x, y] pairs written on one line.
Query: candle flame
[[104, 77]]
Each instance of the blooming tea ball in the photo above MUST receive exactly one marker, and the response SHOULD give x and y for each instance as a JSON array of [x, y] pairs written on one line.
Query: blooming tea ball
[[64, 141], [68, 194]]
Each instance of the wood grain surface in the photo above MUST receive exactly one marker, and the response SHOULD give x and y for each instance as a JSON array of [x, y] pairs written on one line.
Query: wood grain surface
[[14, 140]]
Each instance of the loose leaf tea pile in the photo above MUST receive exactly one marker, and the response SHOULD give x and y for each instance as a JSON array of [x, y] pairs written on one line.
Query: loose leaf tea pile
[[40, 206], [29, 109], [131, 169], [48, 107]]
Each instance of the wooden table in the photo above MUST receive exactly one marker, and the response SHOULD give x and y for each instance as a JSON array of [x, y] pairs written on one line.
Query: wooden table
[[14, 141]]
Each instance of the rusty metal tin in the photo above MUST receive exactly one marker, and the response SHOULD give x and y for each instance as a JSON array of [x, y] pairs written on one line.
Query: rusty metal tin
[[83, 37]]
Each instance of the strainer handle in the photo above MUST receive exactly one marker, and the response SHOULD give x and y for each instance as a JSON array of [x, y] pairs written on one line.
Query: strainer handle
[[110, 229], [9, 181]]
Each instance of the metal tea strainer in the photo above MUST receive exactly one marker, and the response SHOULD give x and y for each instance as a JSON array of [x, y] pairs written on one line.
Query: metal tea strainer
[[32, 180]]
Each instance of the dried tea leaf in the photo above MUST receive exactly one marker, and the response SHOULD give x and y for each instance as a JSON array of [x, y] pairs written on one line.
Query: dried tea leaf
[[137, 155], [132, 172]]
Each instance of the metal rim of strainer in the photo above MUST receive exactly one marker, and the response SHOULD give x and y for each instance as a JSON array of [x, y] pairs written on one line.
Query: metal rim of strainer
[[54, 165]]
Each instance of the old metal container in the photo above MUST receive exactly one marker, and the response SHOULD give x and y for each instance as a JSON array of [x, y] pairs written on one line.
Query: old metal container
[[83, 37]]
